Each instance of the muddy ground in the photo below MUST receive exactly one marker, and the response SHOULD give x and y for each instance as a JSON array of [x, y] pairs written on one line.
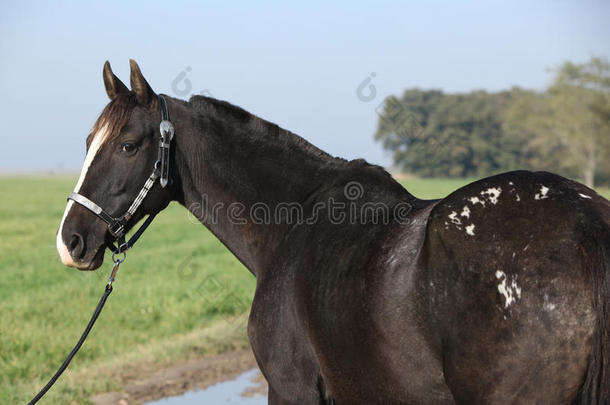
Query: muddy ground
[[147, 385]]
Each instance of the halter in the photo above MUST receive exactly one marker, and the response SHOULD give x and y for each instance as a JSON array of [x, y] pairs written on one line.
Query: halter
[[116, 225]]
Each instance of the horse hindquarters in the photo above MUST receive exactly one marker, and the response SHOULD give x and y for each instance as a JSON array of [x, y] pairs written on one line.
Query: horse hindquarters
[[518, 291], [506, 349]]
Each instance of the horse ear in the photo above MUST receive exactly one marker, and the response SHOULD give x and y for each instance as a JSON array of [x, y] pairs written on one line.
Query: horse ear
[[144, 93], [114, 86]]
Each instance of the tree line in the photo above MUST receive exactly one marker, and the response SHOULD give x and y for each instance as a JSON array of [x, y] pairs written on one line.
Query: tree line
[[564, 129]]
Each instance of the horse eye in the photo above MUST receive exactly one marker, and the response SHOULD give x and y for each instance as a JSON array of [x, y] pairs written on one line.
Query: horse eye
[[128, 147]]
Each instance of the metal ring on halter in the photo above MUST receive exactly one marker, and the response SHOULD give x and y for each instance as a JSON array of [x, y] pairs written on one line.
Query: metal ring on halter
[[119, 261]]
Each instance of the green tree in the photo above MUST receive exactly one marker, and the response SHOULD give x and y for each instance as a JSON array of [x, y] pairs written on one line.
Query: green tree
[[450, 135], [580, 101], [526, 119], [567, 128]]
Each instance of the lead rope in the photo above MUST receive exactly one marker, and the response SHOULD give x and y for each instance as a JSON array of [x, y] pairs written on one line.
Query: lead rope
[[96, 313]]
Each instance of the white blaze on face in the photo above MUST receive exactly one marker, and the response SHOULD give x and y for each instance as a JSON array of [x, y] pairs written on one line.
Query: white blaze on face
[[96, 144]]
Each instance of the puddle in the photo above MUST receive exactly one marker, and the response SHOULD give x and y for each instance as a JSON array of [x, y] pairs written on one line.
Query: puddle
[[227, 392]]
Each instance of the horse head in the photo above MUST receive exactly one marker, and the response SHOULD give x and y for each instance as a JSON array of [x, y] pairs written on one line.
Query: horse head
[[122, 152]]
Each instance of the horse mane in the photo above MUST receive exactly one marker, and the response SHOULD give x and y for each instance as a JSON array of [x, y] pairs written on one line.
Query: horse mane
[[209, 106], [117, 113]]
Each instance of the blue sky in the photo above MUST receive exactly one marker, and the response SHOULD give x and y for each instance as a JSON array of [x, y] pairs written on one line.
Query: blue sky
[[298, 65]]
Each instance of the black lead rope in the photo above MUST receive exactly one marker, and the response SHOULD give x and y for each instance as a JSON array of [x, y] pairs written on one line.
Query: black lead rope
[[80, 342]]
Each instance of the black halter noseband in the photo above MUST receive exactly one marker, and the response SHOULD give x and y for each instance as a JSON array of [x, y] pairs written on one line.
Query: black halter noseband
[[116, 225]]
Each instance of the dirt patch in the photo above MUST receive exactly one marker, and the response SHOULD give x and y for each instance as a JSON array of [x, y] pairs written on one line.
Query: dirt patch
[[149, 384]]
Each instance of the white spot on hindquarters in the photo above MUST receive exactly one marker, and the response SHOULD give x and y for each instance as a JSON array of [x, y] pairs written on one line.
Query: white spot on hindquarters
[[511, 292], [542, 194], [465, 212], [492, 194], [518, 198], [516, 288], [470, 229], [476, 200], [454, 218], [585, 196], [510, 183], [98, 140]]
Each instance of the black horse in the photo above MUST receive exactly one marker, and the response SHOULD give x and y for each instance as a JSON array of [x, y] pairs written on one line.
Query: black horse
[[496, 294]]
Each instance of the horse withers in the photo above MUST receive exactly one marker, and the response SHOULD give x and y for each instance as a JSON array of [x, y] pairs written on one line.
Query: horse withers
[[496, 294]]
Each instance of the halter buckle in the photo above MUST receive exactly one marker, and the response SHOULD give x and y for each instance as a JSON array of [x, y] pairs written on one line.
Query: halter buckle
[[167, 134], [166, 128], [117, 228]]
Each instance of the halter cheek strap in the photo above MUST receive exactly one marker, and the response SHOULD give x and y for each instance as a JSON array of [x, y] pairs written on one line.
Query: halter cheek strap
[[116, 225]]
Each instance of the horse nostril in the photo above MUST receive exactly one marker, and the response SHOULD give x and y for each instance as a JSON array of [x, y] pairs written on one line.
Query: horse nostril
[[77, 246]]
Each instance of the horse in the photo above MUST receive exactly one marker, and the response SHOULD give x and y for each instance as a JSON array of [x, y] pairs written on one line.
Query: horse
[[496, 294]]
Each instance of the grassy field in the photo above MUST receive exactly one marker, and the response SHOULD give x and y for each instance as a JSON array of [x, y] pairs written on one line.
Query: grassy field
[[179, 295]]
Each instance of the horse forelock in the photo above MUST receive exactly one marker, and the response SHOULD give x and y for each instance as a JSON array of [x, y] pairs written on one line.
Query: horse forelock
[[113, 118]]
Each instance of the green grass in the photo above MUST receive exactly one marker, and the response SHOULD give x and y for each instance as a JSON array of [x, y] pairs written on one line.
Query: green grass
[[433, 188], [179, 295], [178, 281]]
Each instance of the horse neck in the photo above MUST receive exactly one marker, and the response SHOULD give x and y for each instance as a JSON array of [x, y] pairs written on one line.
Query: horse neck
[[232, 164]]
